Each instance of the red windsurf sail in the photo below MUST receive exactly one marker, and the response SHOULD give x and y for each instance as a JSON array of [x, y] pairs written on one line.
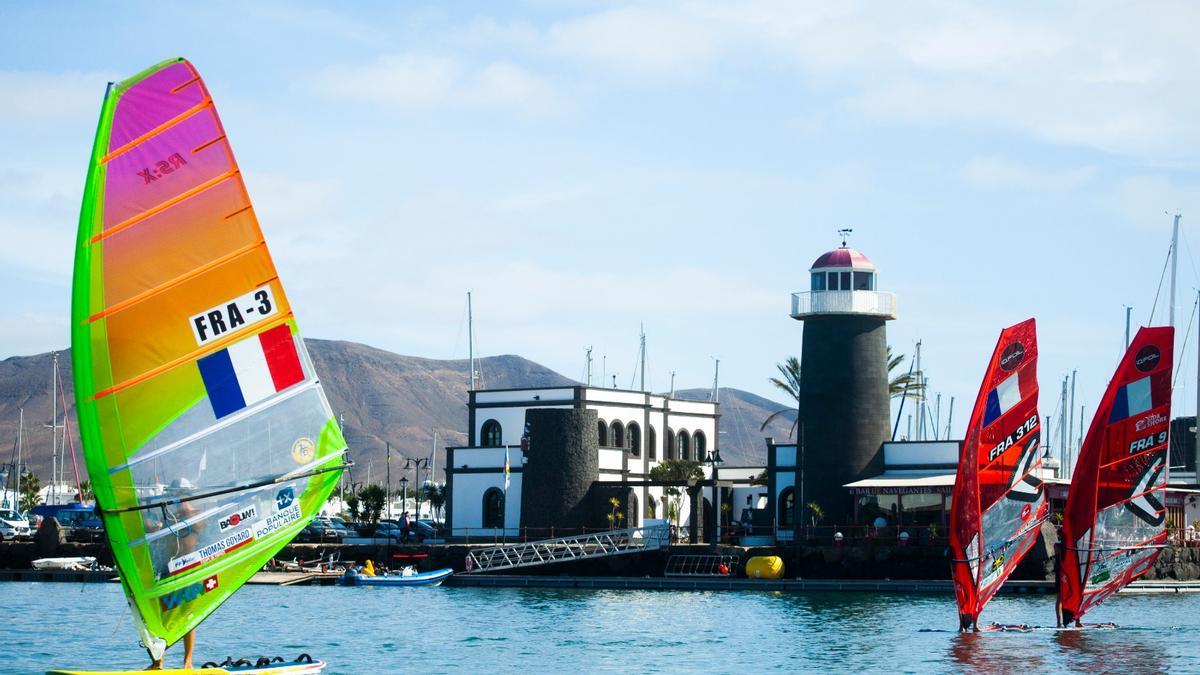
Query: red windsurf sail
[[1114, 527], [998, 500]]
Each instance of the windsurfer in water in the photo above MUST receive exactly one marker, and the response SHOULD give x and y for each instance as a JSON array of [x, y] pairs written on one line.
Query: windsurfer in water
[[186, 538]]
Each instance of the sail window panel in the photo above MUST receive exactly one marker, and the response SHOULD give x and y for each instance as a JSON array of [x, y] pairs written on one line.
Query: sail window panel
[[159, 330], [167, 166], [1000, 522], [273, 441], [177, 241], [154, 101]]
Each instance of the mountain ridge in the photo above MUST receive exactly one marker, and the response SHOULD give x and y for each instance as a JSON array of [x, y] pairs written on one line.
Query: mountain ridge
[[382, 397]]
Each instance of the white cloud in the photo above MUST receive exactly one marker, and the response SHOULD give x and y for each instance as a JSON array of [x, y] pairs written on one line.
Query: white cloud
[[638, 40], [425, 81], [999, 173]]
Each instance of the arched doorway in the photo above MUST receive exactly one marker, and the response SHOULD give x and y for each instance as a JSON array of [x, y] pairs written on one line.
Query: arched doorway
[[493, 508]]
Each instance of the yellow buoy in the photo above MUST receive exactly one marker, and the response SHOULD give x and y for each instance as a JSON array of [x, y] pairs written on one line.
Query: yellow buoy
[[765, 567]]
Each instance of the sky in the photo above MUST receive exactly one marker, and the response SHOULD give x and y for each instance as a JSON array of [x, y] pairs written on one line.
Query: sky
[[586, 169]]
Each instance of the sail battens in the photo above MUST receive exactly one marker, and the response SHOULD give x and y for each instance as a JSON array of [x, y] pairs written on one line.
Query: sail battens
[[223, 424], [208, 144], [214, 346], [159, 208], [207, 103], [172, 283], [185, 85]]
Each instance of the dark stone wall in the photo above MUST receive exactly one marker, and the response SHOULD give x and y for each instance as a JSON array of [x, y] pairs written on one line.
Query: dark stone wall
[[844, 407], [561, 463]]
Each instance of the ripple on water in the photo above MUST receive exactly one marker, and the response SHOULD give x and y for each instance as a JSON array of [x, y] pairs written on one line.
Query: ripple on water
[[446, 630]]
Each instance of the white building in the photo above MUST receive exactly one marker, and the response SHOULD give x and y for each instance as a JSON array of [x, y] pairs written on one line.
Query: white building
[[635, 431]]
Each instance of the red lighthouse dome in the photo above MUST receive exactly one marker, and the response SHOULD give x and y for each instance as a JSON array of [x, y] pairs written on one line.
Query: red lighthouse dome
[[843, 257]]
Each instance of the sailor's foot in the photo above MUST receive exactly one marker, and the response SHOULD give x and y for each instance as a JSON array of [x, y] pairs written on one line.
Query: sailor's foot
[[155, 665]]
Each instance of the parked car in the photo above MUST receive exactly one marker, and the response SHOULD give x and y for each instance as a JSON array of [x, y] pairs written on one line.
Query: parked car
[[317, 532], [340, 526], [14, 526], [79, 522]]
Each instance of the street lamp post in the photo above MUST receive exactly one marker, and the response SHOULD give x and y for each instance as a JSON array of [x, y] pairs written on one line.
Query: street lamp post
[[417, 464], [403, 492]]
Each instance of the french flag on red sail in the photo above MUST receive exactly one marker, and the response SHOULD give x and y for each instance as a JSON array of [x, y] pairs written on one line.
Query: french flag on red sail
[[250, 370], [1141, 395], [1011, 391]]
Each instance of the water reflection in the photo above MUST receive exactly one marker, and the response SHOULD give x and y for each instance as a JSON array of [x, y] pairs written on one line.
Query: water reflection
[[1107, 651]]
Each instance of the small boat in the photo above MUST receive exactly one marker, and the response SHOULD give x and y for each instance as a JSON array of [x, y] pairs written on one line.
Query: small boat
[[1114, 527], [408, 576], [999, 502], [81, 564]]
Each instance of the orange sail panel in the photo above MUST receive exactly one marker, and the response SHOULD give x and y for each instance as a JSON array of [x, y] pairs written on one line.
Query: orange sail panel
[[1114, 527], [998, 500]]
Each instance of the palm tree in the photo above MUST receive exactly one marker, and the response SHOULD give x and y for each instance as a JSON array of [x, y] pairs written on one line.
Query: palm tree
[[790, 385], [907, 384]]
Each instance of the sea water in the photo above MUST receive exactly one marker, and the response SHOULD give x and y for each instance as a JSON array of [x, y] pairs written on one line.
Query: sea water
[[436, 630]]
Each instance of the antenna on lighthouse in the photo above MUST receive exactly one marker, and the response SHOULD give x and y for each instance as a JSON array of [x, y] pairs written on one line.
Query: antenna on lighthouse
[[843, 233]]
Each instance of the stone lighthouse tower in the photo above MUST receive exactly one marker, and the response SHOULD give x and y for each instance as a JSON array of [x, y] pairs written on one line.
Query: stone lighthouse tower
[[844, 402]]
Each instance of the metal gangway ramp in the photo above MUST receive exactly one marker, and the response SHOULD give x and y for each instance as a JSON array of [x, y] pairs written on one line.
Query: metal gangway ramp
[[650, 537]]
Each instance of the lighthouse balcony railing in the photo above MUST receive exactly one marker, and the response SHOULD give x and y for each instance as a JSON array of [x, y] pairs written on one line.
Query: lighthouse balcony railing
[[861, 303]]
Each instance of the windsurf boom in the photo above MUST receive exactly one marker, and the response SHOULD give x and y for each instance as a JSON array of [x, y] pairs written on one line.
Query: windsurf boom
[[1114, 526], [998, 500], [208, 438]]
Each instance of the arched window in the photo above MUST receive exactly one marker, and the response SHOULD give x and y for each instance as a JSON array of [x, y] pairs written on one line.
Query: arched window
[[602, 433], [683, 441], [670, 443], [632, 513], [787, 507], [493, 508], [633, 439], [700, 445], [617, 435], [491, 435], [650, 507], [652, 444]]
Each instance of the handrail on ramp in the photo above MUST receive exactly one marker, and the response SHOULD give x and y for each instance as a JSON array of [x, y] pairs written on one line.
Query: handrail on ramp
[[653, 536]]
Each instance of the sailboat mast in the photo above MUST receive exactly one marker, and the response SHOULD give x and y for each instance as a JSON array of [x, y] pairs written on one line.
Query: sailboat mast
[[716, 379], [1174, 268], [589, 366], [470, 342], [920, 397], [642, 358], [1197, 425], [54, 430], [20, 447]]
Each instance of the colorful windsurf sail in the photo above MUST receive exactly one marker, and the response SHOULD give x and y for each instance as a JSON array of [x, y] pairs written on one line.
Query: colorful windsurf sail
[[999, 501], [208, 438], [1114, 527]]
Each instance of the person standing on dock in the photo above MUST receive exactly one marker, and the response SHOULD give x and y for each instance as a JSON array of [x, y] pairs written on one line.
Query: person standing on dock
[[407, 526]]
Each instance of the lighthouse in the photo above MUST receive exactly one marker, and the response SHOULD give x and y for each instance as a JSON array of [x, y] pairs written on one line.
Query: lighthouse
[[844, 400]]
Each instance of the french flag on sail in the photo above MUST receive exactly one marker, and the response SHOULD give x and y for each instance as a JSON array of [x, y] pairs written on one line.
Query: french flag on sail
[[1139, 396], [1008, 394], [250, 370]]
